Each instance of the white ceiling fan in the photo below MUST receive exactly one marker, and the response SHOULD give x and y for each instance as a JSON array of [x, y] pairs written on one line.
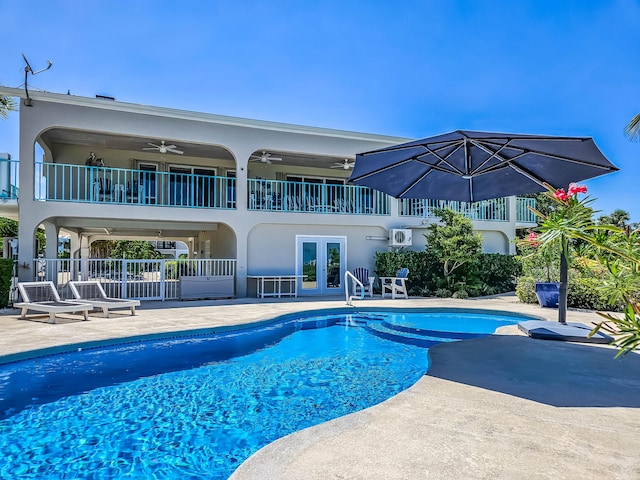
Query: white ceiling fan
[[163, 148], [266, 157], [346, 164]]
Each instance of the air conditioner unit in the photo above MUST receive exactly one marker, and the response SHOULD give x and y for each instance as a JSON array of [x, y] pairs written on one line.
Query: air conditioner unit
[[400, 237]]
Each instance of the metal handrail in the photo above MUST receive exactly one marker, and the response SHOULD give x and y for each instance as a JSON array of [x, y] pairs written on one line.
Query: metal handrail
[[349, 298]]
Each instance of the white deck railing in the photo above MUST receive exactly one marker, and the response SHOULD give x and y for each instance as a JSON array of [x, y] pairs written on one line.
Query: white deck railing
[[140, 279]]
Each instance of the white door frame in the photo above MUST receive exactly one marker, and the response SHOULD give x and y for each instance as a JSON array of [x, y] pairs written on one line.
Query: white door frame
[[321, 286]]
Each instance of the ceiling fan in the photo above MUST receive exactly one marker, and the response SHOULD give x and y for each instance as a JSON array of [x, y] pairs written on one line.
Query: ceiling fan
[[346, 164], [266, 157], [163, 148]]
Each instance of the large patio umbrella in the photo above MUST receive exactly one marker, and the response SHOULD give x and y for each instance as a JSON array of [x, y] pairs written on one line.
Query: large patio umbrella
[[473, 166]]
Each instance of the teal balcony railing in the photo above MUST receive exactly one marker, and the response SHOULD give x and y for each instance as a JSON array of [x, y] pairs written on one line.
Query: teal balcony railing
[[494, 210], [8, 179], [285, 196], [79, 183], [523, 213]]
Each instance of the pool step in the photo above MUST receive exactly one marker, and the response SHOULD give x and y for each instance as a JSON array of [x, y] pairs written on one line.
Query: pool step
[[379, 329], [432, 333]]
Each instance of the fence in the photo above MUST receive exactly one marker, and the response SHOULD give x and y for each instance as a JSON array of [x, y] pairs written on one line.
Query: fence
[[140, 279]]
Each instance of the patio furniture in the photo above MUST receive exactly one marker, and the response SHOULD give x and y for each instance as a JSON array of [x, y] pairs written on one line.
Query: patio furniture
[[395, 285], [43, 297], [362, 274], [274, 285], [91, 292]]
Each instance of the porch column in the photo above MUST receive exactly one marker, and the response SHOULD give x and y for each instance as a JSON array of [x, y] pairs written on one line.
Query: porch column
[[84, 257], [26, 249], [512, 219], [51, 250]]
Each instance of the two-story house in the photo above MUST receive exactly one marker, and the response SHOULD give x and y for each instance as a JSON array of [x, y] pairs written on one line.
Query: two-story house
[[250, 197]]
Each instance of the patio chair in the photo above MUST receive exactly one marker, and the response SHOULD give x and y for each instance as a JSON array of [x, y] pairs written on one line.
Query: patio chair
[[362, 274], [395, 285], [91, 292], [43, 297]]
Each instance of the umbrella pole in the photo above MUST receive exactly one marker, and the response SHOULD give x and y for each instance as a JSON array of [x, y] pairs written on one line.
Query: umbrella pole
[[562, 300]]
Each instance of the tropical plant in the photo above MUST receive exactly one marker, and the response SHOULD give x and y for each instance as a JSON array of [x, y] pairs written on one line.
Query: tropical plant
[[7, 104], [618, 218], [615, 262], [632, 130], [568, 221]]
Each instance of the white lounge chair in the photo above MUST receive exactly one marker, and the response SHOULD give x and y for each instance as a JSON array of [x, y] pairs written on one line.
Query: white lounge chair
[[395, 285], [43, 297], [91, 292], [362, 274]]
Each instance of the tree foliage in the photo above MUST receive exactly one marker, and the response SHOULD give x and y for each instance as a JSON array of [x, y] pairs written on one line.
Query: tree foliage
[[632, 130], [7, 104], [618, 218], [452, 240], [134, 249]]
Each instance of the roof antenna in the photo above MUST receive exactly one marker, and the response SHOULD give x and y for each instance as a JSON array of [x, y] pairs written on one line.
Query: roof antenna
[[28, 70]]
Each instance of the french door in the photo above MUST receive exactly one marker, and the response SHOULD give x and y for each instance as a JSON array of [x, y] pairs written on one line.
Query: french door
[[321, 262]]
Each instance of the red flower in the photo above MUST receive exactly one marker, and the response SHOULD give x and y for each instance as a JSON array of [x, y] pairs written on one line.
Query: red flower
[[560, 195], [533, 239], [574, 189]]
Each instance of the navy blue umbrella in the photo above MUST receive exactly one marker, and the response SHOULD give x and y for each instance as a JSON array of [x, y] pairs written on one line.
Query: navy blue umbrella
[[473, 166]]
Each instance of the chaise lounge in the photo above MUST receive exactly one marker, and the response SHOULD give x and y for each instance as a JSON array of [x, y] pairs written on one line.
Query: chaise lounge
[[43, 297], [91, 292]]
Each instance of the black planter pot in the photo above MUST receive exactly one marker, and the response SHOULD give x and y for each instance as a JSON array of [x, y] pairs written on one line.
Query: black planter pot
[[548, 294]]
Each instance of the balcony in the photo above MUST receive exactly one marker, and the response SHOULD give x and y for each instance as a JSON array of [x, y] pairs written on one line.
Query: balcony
[[523, 210], [105, 185], [287, 196], [8, 179], [494, 210]]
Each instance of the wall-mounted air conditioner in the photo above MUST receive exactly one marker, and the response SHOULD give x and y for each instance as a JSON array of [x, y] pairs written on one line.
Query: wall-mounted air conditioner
[[400, 237]]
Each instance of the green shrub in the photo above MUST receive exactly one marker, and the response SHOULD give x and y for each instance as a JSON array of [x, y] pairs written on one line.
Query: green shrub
[[6, 275], [423, 269], [526, 290], [460, 294], [499, 271], [493, 272], [443, 293], [582, 292]]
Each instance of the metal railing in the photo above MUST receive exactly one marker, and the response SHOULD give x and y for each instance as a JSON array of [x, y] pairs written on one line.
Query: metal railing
[[349, 298], [523, 213], [495, 210], [79, 183], [286, 196], [8, 179], [121, 278]]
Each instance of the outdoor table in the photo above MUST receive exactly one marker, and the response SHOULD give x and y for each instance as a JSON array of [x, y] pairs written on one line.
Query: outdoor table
[[275, 282]]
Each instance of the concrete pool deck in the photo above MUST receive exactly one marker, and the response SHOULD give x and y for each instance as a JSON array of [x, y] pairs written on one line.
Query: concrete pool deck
[[501, 407]]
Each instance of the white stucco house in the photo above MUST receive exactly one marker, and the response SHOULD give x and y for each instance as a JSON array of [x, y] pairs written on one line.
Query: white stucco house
[[250, 197]]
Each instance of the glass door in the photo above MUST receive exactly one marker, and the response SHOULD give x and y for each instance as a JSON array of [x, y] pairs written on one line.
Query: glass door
[[321, 262]]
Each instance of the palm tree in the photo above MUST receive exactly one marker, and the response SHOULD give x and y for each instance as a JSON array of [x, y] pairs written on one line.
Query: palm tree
[[632, 130], [7, 104]]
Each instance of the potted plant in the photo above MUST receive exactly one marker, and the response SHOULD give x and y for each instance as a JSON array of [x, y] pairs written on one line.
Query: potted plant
[[539, 262]]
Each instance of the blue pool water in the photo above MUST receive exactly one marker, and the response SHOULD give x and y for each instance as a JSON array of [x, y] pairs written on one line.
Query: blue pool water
[[197, 406]]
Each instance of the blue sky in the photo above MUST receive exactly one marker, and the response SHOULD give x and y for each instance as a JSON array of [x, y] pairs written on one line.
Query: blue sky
[[405, 68]]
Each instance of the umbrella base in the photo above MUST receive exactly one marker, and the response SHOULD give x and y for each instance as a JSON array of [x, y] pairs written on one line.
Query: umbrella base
[[570, 332]]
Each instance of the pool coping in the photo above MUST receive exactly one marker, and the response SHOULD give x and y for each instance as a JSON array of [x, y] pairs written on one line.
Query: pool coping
[[415, 434]]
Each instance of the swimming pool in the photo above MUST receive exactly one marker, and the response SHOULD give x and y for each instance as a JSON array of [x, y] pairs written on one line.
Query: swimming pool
[[197, 406]]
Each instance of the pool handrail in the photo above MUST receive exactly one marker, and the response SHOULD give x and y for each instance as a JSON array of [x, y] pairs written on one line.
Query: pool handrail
[[349, 298]]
